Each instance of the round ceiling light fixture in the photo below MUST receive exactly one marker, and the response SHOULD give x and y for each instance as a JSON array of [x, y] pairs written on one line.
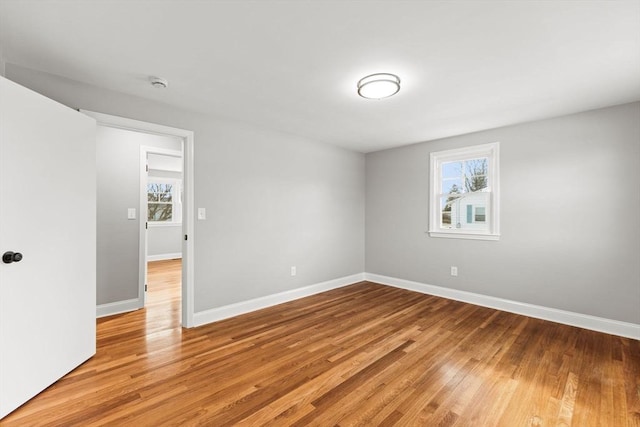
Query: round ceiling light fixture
[[158, 82], [378, 86]]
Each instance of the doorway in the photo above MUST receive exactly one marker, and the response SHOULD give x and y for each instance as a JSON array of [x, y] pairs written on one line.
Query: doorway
[[145, 132], [161, 205]]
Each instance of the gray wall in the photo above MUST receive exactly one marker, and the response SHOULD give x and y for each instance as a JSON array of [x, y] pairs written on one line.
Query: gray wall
[[2, 62], [276, 200], [164, 240], [118, 188], [273, 200], [570, 207]]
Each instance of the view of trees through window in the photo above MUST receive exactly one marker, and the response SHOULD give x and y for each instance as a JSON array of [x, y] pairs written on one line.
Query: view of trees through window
[[459, 179], [159, 202]]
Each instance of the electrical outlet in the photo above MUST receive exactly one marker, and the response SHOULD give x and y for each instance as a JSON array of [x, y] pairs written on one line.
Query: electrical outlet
[[293, 271], [454, 270]]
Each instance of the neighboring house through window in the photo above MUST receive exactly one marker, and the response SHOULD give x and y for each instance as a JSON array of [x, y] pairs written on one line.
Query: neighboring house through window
[[464, 196]]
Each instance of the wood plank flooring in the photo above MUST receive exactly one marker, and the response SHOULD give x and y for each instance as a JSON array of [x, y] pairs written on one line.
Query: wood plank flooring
[[366, 355]]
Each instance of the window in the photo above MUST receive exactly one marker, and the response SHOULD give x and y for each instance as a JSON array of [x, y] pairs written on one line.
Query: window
[[164, 200], [464, 197]]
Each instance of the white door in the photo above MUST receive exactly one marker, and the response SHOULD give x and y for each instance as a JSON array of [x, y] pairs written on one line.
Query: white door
[[47, 214]]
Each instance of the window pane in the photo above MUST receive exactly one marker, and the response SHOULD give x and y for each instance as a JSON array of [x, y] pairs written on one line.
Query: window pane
[[475, 174], [466, 212], [159, 212], [165, 197], [452, 170], [152, 197], [446, 202], [446, 219], [452, 186]]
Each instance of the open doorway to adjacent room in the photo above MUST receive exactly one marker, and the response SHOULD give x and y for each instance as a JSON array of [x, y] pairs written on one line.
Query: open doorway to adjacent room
[[162, 193], [145, 202]]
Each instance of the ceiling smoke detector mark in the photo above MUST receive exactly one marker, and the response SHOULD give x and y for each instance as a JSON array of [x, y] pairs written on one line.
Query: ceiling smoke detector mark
[[158, 82]]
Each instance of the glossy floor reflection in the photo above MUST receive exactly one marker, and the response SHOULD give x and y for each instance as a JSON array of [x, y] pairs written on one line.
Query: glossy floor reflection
[[364, 354], [163, 306]]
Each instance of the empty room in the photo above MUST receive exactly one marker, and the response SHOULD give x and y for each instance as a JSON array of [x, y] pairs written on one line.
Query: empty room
[[320, 213]]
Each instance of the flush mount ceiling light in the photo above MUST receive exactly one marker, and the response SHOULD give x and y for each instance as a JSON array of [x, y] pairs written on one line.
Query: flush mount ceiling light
[[378, 86], [158, 82]]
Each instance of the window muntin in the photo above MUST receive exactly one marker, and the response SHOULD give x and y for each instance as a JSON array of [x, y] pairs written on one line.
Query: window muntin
[[464, 193]]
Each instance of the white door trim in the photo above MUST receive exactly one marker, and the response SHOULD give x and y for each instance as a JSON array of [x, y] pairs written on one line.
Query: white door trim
[[188, 202]]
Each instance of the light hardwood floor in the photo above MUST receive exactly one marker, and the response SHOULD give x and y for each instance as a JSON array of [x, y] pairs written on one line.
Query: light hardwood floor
[[363, 355]]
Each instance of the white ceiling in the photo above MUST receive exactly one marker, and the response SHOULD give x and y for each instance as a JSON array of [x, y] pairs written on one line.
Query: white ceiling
[[292, 66]]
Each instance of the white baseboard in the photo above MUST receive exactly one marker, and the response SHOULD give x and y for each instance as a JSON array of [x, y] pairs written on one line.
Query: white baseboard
[[220, 313], [600, 324], [162, 257], [117, 307]]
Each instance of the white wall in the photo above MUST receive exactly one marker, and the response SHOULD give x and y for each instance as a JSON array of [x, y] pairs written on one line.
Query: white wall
[[570, 207], [118, 185], [161, 162], [164, 241], [273, 200]]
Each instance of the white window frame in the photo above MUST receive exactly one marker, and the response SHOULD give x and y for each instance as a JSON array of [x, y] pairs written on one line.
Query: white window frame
[[176, 197], [492, 152]]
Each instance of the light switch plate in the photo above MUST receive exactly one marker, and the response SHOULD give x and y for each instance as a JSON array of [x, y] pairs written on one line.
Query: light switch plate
[[131, 213], [202, 213]]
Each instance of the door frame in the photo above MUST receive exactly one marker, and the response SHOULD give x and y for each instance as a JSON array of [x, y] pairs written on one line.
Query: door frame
[[188, 210]]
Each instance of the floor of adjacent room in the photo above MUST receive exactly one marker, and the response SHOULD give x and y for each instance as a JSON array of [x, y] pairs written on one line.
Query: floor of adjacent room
[[365, 354]]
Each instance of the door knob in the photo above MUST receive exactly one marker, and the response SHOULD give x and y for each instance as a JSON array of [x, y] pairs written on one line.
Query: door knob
[[9, 257]]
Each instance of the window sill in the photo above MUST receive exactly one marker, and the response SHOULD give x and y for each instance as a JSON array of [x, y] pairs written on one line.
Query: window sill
[[468, 236], [164, 224]]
